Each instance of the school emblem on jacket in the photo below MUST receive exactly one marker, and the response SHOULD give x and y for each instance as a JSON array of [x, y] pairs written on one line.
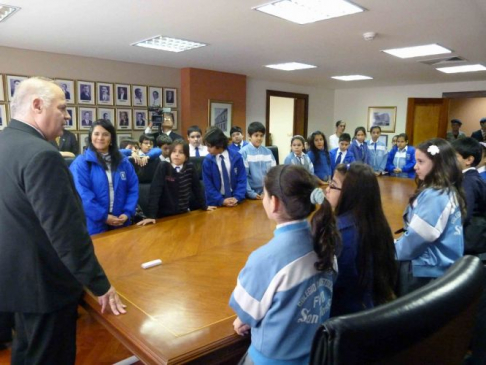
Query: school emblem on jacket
[[123, 175]]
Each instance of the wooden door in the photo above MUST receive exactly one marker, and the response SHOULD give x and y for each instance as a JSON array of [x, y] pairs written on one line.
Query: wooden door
[[426, 118]]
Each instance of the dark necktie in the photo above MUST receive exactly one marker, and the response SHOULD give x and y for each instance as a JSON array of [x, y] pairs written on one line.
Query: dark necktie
[[226, 180], [338, 161], [239, 146], [197, 152], [178, 169]]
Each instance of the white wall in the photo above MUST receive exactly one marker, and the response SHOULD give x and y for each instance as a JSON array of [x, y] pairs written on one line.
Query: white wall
[[281, 124], [351, 105], [321, 102]]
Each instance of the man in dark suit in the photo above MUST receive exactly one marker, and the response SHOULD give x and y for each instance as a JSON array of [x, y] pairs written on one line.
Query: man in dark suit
[[47, 256], [67, 94], [66, 143], [122, 93], [86, 122], [85, 93], [480, 135]]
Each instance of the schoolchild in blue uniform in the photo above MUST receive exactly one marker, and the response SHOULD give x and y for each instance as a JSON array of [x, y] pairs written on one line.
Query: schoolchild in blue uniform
[[297, 155], [105, 180], [342, 154], [224, 174], [237, 141], [284, 291], [401, 159], [378, 151], [433, 238], [319, 155], [358, 147], [367, 266], [482, 164]]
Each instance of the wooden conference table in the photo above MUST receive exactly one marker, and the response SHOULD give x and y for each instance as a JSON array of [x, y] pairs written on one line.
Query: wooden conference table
[[178, 312]]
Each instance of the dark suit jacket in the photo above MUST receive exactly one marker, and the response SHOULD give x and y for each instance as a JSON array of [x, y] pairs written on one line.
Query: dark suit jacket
[[85, 96], [174, 136], [46, 253], [67, 95], [478, 135], [67, 143]]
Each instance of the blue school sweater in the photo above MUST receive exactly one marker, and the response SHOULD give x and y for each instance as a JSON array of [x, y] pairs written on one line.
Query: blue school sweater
[[258, 161]]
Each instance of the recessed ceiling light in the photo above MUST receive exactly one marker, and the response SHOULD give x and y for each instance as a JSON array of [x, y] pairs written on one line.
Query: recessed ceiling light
[[352, 77], [6, 11], [465, 68], [168, 44], [290, 66], [418, 51], [309, 11]]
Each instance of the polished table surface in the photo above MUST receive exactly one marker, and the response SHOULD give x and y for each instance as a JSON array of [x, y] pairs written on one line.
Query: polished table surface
[[178, 312]]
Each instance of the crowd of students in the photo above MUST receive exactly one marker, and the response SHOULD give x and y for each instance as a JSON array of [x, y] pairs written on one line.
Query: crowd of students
[[344, 259]]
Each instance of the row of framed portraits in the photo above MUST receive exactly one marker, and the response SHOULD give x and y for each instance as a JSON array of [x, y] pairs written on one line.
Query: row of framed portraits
[[101, 93], [82, 117]]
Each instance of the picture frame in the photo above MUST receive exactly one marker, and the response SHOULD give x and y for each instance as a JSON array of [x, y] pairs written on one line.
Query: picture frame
[[140, 124], [3, 116], [72, 124], [68, 88], [124, 119], [155, 96], [139, 95], [104, 92], [83, 141], [86, 116], [220, 114], [2, 92], [384, 138], [170, 97], [382, 116], [107, 113], [85, 91], [123, 93], [122, 136], [175, 118], [12, 82]]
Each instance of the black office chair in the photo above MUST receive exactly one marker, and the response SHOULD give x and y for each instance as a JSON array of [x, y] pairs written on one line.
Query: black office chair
[[274, 150], [432, 325]]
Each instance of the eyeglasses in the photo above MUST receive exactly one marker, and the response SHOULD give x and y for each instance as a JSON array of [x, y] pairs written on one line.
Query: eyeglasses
[[334, 187]]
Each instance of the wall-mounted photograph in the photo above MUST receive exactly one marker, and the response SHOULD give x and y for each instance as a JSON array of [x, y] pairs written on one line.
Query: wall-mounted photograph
[[382, 116], [71, 124], [105, 93], [3, 116], [170, 97], [83, 141], [86, 116], [86, 92], [67, 87], [139, 95], [155, 96], [107, 113], [122, 136], [12, 83], [2, 93], [140, 119], [124, 119], [122, 93], [220, 114]]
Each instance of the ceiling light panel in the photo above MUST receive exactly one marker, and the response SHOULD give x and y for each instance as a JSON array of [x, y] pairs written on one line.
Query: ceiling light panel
[[352, 78], [291, 66], [309, 11], [168, 44], [459, 69], [418, 51], [6, 11]]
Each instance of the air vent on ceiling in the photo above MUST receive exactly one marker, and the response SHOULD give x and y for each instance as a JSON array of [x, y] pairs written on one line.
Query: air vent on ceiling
[[444, 61]]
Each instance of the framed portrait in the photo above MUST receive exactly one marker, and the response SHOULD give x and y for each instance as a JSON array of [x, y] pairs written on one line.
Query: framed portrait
[[83, 141], [3, 116], [170, 98], [86, 116], [122, 136], [2, 93], [124, 119], [107, 113], [155, 96], [71, 124], [86, 92], [68, 87], [140, 119], [104, 92], [12, 82], [122, 94], [139, 95], [384, 138], [220, 114], [382, 116]]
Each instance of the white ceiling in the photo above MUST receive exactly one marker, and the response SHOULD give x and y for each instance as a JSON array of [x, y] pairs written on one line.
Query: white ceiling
[[242, 40]]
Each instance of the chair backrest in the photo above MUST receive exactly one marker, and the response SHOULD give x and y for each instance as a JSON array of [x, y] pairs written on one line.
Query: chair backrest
[[274, 150], [197, 162], [432, 325]]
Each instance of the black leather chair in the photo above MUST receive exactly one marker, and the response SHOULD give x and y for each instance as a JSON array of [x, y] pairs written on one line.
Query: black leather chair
[[274, 150], [432, 325]]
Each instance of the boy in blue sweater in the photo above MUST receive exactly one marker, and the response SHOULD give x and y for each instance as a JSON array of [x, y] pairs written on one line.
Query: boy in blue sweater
[[223, 172], [258, 161]]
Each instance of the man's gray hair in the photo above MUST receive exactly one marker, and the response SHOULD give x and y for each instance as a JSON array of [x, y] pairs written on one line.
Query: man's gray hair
[[28, 90]]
